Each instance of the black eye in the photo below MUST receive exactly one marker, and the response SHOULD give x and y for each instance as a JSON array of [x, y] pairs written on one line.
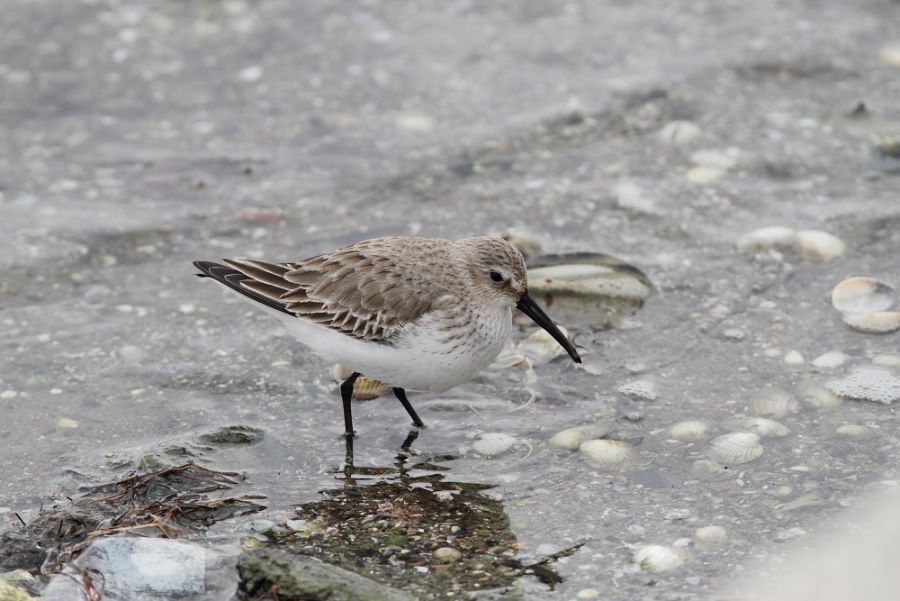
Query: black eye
[[496, 276]]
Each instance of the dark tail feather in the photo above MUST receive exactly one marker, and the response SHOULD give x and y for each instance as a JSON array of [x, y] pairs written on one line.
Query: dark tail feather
[[232, 278]]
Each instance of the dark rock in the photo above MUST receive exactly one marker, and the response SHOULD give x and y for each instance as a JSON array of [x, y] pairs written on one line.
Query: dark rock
[[297, 577], [233, 435]]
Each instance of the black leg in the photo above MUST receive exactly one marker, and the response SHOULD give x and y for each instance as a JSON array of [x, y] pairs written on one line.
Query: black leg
[[410, 438], [346, 397], [401, 394]]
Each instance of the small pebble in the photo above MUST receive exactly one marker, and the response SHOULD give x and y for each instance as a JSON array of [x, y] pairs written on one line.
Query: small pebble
[[853, 431], [8, 394], [588, 593], [678, 132], [56, 391], [187, 308], [734, 334], [67, 423], [447, 554], [297, 525], [251, 74]]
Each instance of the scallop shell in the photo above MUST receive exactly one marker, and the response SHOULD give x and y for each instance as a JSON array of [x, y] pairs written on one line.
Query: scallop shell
[[658, 558], [689, 430], [493, 444], [607, 454], [774, 403], [735, 447], [862, 295], [813, 244], [877, 322], [764, 427], [571, 438]]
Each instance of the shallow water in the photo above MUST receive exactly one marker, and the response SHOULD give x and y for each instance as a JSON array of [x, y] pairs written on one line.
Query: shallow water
[[140, 137]]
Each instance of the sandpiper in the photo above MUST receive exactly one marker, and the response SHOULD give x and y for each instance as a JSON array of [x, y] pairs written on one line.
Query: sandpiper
[[420, 314]]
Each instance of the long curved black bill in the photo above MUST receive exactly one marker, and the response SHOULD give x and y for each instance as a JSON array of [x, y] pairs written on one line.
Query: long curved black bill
[[530, 308]]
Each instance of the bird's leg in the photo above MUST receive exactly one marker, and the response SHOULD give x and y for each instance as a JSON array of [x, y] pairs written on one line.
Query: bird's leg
[[410, 438], [346, 397], [401, 395]]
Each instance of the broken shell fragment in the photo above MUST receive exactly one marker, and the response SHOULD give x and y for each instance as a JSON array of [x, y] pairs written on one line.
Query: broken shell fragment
[[735, 447], [862, 295], [658, 558], [364, 389], [607, 454]]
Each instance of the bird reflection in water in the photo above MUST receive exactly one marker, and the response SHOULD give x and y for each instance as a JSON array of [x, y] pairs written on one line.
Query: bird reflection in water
[[408, 526]]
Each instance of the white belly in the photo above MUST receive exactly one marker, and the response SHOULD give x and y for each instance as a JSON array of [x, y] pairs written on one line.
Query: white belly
[[422, 358]]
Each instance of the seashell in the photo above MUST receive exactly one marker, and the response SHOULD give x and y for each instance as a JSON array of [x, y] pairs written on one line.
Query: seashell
[[493, 444], [541, 346], [364, 389], [446, 554], [774, 403], [878, 322], [587, 275], [735, 447], [571, 438], [862, 295], [708, 537], [658, 558], [793, 358], [689, 430], [767, 238], [608, 454], [678, 132], [705, 468], [818, 396], [867, 384], [853, 431], [525, 241], [764, 427], [813, 244], [830, 360]]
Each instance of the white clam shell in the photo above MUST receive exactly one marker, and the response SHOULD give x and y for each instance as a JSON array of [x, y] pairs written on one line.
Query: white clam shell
[[878, 322], [853, 431], [587, 275], [608, 454], [830, 360], [735, 447], [571, 438], [492, 444], [658, 558], [710, 536], [691, 429], [813, 244], [764, 427], [863, 295], [767, 238], [774, 403]]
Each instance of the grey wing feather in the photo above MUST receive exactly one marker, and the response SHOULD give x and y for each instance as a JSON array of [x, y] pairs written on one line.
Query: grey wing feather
[[354, 290]]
